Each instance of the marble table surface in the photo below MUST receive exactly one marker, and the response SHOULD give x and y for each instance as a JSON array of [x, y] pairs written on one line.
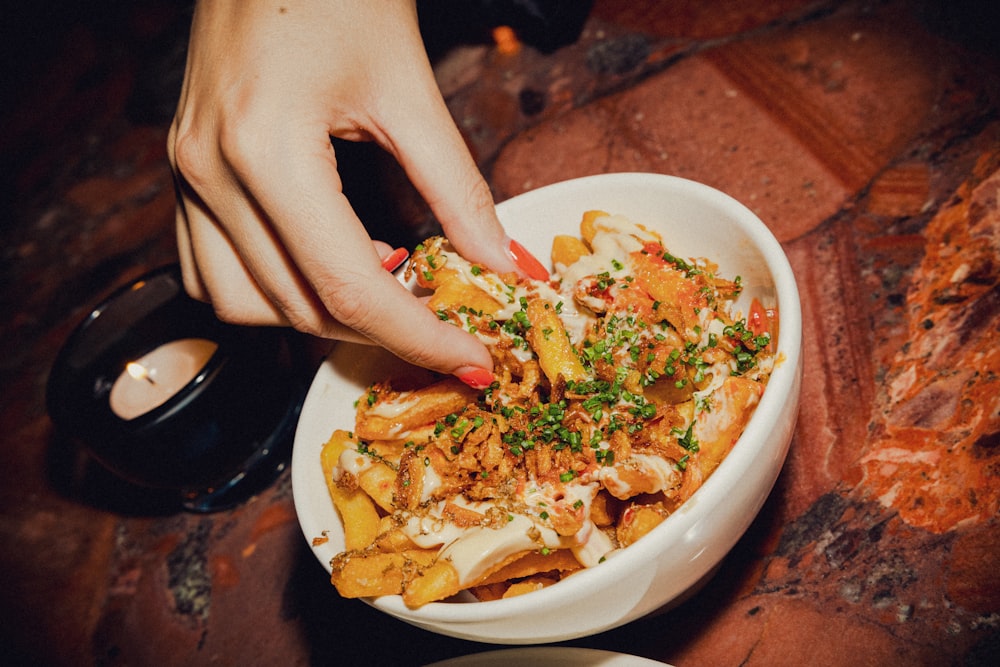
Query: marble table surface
[[865, 134]]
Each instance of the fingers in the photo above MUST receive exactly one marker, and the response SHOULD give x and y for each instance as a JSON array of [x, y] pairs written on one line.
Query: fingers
[[294, 251], [233, 288], [424, 139], [234, 292], [323, 237], [264, 230]]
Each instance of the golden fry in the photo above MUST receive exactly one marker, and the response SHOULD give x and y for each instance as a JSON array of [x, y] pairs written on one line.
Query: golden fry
[[528, 586], [370, 575], [378, 482], [638, 520], [718, 429], [359, 515], [529, 563], [453, 294], [681, 298], [547, 337], [330, 455], [437, 582], [567, 250], [589, 227], [355, 507], [393, 419], [391, 538], [604, 509]]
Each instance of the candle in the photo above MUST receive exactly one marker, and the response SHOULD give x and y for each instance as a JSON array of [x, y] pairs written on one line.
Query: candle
[[155, 387], [148, 382]]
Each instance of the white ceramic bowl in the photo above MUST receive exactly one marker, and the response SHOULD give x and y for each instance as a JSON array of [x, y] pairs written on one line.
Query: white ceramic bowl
[[668, 563]]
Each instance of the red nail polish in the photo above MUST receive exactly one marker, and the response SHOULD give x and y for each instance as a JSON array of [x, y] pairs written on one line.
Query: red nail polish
[[526, 261], [395, 259], [477, 378]]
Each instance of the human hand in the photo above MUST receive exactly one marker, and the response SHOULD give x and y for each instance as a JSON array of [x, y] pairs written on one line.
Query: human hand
[[264, 230]]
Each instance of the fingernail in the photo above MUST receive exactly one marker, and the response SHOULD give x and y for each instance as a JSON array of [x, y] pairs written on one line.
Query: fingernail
[[526, 261], [395, 259], [477, 378]]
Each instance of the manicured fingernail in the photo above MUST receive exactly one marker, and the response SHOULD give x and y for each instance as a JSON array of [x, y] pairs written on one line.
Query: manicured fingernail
[[526, 261], [477, 378], [395, 259]]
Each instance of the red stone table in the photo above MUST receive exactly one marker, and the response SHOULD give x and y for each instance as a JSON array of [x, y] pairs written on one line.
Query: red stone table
[[866, 135]]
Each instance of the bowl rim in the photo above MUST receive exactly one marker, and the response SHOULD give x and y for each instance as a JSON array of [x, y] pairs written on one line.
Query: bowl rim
[[782, 386]]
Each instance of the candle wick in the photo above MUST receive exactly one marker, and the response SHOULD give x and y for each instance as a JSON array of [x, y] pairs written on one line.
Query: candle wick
[[139, 372]]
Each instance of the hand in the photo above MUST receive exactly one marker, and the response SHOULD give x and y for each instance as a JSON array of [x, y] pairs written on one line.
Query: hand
[[265, 232]]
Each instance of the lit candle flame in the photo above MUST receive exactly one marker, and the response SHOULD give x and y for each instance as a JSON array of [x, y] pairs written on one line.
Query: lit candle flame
[[139, 372]]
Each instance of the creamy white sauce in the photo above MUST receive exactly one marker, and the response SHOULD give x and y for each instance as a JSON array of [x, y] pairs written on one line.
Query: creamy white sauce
[[478, 549], [596, 547], [474, 550], [394, 408], [431, 483], [353, 462]]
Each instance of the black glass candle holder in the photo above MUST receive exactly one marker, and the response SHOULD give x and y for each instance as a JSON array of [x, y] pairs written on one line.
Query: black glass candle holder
[[165, 395]]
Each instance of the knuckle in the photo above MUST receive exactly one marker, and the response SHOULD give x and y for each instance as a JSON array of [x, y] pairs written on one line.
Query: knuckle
[[353, 299], [352, 307], [192, 157], [238, 144], [304, 320]]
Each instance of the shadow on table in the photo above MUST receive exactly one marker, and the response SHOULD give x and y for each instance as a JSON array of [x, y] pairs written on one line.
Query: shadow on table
[[76, 475]]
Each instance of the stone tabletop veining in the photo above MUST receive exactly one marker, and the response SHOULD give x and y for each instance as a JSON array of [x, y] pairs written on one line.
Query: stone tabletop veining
[[865, 134]]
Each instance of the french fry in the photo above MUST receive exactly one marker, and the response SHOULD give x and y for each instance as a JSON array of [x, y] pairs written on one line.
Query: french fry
[[338, 442], [589, 227], [547, 336], [378, 573], [680, 297], [604, 509], [390, 451], [378, 482], [528, 586], [453, 294], [717, 430], [437, 582], [638, 520], [360, 518], [393, 419], [430, 265], [392, 538], [529, 563], [355, 507], [567, 250]]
